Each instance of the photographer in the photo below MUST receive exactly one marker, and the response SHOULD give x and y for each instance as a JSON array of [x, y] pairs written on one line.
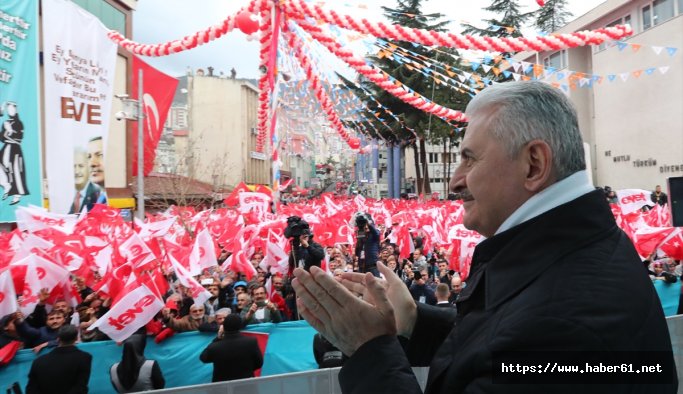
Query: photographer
[[367, 244], [305, 252]]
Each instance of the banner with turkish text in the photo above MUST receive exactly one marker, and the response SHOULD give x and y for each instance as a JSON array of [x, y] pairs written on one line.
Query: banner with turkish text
[[79, 69], [158, 91], [20, 178], [132, 311]]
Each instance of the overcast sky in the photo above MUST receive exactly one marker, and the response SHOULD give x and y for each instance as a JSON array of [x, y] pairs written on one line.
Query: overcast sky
[[158, 21]]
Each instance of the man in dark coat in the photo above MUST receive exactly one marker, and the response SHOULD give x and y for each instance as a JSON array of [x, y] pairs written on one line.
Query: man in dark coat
[[233, 356], [66, 369], [555, 275]]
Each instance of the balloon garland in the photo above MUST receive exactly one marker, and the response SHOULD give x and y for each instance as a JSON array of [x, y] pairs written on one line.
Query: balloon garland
[[378, 76], [191, 41], [246, 20], [264, 91], [314, 81], [454, 40]]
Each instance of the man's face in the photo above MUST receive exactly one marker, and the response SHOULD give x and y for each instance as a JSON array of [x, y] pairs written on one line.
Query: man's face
[[80, 170], [658, 189], [240, 290], [391, 263], [492, 183], [55, 321], [11, 110], [443, 267], [256, 259], [456, 285], [242, 300], [220, 318], [384, 254], [416, 255], [96, 161], [197, 313], [259, 294], [61, 306], [277, 283], [213, 289]]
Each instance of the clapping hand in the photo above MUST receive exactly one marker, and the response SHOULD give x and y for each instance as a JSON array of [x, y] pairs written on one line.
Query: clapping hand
[[344, 319]]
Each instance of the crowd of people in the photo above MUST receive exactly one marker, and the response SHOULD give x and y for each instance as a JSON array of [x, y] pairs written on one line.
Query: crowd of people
[[235, 302], [379, 313]]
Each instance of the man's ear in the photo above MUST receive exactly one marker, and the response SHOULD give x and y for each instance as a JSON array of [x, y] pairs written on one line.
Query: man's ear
[[539, 165]]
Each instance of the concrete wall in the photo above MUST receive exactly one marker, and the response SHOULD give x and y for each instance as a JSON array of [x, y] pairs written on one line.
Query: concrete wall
[[642, 118]]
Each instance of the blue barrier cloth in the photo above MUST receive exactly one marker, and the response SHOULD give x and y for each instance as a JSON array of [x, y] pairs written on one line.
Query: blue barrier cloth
[[289, 349], [669, 294]]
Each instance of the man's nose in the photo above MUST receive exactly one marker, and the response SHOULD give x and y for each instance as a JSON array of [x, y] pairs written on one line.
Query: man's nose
[[458, 181]]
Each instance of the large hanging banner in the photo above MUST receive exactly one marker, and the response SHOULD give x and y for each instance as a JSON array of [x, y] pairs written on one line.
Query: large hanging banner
[[19, 107], [79, 74]]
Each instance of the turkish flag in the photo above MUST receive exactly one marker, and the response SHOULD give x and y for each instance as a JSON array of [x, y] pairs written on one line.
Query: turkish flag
[[234, 197], [158, 91], [647, 239], [672, 245], [203, 254], [8, 298]]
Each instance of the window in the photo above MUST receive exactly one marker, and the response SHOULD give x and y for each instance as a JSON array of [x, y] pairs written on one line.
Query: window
[[621, 21], [659, 12], [647, 18], [557, 60], [662, 10], [680, 6]]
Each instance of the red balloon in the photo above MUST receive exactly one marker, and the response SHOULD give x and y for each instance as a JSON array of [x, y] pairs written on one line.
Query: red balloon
[[540, 2], [354, 143], [244, 22]]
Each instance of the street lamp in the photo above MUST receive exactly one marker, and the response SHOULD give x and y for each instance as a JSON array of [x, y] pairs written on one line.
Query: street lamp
[[134, 110]]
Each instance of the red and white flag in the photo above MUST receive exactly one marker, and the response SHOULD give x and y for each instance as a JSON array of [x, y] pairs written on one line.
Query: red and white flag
[[250, 201], [156, 229], [197, 292], [647, 239], [238, 262], [276, 258], [631, 200], [132, 311], [158, 91], [203, 254], [8, 297], [672, 245], [136, 251]]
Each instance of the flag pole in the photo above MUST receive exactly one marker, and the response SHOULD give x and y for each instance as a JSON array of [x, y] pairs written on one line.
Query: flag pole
[[141, 151]]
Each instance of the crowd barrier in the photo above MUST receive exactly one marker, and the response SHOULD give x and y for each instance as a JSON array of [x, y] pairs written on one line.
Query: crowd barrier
[[322, 381], [289, 350]]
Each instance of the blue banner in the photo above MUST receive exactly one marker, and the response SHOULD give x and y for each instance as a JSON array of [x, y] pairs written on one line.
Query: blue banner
[[289, 349], [669, 294], [20, 179]]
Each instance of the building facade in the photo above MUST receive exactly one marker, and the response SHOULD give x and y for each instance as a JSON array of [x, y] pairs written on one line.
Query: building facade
[[630, 95], [221, 144]]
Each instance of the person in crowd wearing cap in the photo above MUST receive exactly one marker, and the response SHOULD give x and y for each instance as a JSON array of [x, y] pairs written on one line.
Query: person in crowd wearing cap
[[233, 356], [240, 287], [190, 322], [134, 372], [66, 369]]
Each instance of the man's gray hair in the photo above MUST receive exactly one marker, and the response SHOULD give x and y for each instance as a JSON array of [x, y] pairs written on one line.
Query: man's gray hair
[[531, 110]]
